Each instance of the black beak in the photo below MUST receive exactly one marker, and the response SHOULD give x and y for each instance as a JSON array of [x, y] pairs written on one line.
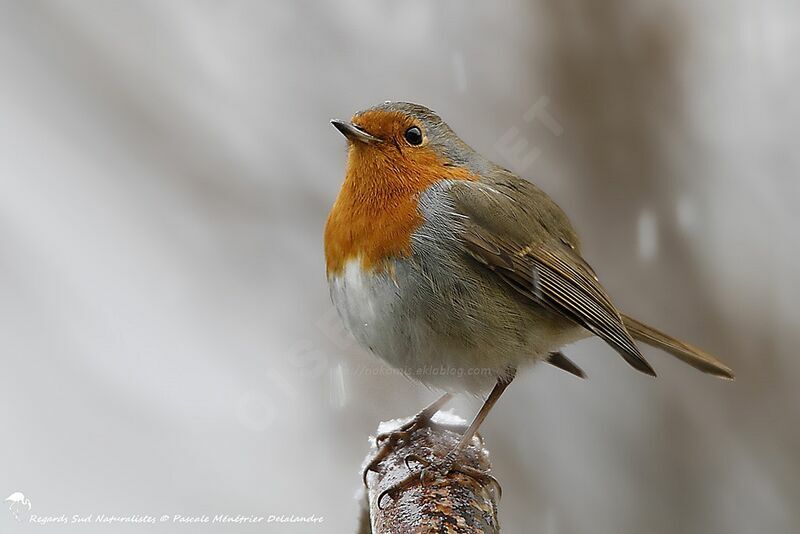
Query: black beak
[[353, 132]]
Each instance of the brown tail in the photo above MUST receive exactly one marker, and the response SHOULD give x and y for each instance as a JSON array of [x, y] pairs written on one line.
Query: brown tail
[[683, 351]]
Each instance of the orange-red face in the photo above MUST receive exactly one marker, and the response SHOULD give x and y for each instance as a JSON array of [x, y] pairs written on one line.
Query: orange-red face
[[394, 154], [391, 160], [399, 149], [395, 129]]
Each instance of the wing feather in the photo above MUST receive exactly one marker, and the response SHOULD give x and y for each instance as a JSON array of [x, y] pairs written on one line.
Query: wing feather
[[554, 276], [513, 228]]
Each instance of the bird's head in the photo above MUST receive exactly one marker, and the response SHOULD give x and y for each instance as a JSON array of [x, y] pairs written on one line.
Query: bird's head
[[403, 146]]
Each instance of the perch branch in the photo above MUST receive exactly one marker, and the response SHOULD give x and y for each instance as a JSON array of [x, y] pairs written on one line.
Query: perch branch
[[457, 503]]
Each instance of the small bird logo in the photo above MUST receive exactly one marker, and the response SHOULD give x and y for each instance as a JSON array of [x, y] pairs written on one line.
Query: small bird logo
[[18, 501]]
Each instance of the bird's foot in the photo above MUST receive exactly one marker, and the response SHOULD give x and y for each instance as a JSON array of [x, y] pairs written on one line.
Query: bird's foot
[[387, 442], [434, 471]]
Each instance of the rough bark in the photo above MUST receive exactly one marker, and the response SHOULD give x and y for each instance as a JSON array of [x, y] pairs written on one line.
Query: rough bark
[[455, 504]]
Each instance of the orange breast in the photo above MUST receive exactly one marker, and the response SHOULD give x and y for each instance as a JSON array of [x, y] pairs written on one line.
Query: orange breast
[[377, 208]]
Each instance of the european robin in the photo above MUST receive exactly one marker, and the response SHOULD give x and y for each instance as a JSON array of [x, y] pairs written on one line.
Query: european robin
[[458, 272]]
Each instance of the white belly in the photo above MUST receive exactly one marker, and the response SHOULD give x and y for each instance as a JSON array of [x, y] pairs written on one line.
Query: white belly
[[382, 315]]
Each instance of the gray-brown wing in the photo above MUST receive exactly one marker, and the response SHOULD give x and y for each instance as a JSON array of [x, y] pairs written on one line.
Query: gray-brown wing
[[544, 268]]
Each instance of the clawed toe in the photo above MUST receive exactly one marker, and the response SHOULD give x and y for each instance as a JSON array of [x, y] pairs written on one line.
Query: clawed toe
[[481, 477], [407, 482], [415, 458], [387, 442], [431, 472], [394, 436]]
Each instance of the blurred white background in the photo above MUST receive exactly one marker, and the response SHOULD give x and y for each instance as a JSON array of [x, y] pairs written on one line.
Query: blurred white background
[[166, 169]]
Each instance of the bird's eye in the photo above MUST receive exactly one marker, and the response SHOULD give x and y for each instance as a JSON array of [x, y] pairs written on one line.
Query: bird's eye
[[414, 136]]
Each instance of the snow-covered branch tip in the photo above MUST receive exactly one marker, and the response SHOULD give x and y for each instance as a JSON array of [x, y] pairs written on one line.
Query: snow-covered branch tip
[[456, 503]]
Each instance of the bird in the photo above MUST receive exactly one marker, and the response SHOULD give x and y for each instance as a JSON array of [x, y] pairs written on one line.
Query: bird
[[17, 500], [458, 272]]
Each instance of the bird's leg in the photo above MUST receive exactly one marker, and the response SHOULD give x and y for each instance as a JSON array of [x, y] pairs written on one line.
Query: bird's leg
[[388, 441], [421, 420], [432, 470]]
